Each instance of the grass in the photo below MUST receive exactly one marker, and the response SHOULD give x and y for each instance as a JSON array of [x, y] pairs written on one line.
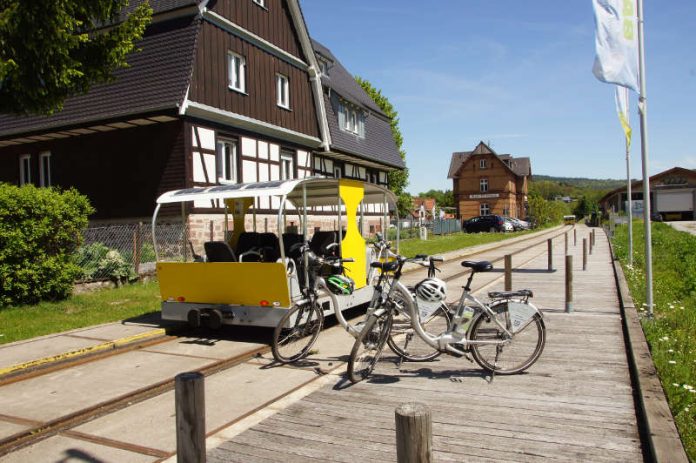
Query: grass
[[24, 322], [671, 334]]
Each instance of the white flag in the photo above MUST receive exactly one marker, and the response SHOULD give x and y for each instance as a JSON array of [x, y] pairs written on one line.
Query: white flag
[[616, 43], [621, 98]]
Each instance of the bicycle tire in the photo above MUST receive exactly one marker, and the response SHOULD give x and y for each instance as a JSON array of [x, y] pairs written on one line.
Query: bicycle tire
[[296, 332], [515, 356], [368, 346], [407, 344]]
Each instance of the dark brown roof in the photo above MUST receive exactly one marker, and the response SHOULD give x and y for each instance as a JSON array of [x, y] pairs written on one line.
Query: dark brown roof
[[519, 166], [156, 80]]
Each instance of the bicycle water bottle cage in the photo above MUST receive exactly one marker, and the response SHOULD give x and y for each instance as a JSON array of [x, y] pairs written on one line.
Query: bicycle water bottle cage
[[481, 266]]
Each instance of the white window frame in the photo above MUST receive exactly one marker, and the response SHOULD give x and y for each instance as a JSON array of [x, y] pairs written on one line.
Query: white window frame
[[482, 164], [24, 169], [283, 91], [45, 170], [287, 165], [337, 171], [227, 172], [484, 209], [483, 185], [236, 72]]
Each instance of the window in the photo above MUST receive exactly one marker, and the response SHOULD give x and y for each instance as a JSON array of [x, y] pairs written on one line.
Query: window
[[482, 164], [484, 209], [236, 72], [45, 168], [484, 185], [324, 66], [282, 91], [351, 120], [287, 165], [338, 171], [24, 169], [227, 161]]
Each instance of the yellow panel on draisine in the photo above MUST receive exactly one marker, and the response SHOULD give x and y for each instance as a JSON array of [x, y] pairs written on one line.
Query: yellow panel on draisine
[[242, 283], [353, 244]]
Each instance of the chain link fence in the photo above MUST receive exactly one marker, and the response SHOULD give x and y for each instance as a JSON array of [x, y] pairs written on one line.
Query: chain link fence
[[124, 252]]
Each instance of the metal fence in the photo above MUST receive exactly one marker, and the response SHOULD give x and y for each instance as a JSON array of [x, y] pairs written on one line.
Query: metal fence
[[125, 251]]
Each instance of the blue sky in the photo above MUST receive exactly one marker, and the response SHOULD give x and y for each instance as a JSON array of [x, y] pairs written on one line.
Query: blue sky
[[517, 74]]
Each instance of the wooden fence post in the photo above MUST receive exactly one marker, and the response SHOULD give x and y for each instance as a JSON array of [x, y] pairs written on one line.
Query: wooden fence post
[[591, 243], [549, 243], [508, 272], [566, 242], [414, 433], [211, 230], [569, 284], [584, 253], [190, 417], [575, 237]]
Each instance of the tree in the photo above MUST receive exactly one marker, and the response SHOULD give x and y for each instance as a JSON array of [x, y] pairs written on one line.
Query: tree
[[52, 49], [398, 179], [442, 198]]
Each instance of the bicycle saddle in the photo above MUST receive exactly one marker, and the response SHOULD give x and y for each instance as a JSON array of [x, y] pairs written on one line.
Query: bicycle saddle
[[385, 266], [482, 266]]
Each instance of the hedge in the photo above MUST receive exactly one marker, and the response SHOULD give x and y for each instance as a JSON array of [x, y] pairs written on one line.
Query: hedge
[[40, 229]]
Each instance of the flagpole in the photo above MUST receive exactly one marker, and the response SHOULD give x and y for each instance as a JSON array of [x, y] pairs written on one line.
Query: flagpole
[[643, 111], [629, 193]]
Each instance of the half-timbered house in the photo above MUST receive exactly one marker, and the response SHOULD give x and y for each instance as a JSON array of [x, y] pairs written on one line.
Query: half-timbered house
[[485, 182], [222, 91]]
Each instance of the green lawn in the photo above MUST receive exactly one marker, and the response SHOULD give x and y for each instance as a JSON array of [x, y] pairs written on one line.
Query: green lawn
[[17, 323], [87, 309], [672, 333]]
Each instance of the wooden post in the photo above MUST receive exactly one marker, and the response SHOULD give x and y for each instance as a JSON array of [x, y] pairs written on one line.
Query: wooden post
[[566, 242], [584, 253], [575, 237], [137, 247], [569, 284], [212, 231], [508, 272], [590, 243], [549, 243], [414, 433], [594, 243], [190, 418], [265, 224]]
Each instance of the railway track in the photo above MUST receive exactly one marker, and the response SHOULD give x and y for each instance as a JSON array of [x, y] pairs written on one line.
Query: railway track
[[40, 430]]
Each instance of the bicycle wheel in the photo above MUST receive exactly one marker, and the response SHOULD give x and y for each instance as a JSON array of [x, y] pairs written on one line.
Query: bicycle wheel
[[296, 332], [368, 346], [404, 340], [513, 354]]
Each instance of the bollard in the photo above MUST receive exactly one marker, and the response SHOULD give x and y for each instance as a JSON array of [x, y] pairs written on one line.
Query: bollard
[[594, 243], [575, 237], [508, 272], [569, 284], [590, 244], [190, 417], [550, 253], [584, 253], [566, 242], [414, 433]]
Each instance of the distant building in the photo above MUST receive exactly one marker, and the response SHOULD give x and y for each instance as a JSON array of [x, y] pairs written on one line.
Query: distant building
[[672, 195], [485, 182], [428, 205]]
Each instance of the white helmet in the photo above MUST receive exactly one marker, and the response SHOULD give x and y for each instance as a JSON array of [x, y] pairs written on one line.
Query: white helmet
[[431, 290]]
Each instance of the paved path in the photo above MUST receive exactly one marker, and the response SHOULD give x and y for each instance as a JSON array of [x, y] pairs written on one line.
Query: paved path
[[574, 404], [688, 226]]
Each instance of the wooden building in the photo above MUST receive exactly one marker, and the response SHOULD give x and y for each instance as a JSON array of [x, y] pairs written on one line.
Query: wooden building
[[672, 195], [223, 91], [485, 182]]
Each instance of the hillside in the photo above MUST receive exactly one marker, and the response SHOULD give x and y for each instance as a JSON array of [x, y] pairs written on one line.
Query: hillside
[[582, 183]]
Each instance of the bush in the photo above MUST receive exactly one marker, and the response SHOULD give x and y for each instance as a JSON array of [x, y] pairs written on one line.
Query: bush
[[40, 229], [98, 261]]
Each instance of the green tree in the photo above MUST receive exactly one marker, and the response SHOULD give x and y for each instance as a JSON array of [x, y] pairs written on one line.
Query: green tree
[[442, 198], [52, 49], [398, 179]]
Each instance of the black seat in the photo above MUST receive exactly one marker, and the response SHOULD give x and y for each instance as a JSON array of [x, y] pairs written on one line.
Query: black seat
[[290, 240], [219, 251], [270, 247], [248, 241], [510, 294], [481, 266], [321, 240]]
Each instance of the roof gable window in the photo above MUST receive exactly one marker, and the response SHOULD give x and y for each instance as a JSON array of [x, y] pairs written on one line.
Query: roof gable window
[[351, 119], [282, 91], [236, 72], [324, 65]]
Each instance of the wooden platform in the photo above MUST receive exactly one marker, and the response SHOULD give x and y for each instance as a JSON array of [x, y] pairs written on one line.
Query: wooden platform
[[574, 404]]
